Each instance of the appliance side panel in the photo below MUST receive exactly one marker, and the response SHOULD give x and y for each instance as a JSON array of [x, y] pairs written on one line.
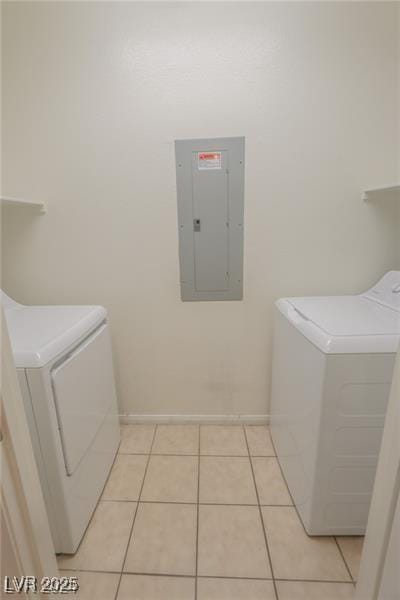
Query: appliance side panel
[[355, 401], [297, 387]]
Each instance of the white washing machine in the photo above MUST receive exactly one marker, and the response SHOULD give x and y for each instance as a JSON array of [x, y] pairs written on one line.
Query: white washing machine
[[64, 365], [332, 370]]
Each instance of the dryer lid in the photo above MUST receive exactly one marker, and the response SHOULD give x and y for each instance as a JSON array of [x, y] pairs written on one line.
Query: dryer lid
[[38, 334]]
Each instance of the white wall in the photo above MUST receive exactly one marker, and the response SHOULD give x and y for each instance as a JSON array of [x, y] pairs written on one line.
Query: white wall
[[94, 96]]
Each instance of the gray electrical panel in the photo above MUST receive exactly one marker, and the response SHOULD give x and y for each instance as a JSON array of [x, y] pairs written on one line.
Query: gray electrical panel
[[210, 185]]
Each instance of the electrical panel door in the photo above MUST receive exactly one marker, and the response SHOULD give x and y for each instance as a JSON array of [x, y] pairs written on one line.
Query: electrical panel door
[[210, 186]]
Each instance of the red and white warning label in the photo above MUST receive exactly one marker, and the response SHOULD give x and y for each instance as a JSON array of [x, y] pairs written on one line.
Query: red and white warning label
[[209, 160]]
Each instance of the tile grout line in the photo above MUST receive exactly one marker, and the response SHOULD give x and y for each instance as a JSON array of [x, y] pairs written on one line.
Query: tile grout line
[[182, 455], [330, 581], [198, 511], [344, 559], [261, 515], [293, 505], [201, 503], [134, 516]]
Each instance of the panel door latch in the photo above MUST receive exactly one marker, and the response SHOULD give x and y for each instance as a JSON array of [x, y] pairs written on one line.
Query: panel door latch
[[196, 224]]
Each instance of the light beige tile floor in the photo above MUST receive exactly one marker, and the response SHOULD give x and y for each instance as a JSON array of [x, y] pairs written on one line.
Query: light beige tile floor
[[234, 589], [171, 479], [176, 439], [163, 540], [222, 440], [226, 480], [294, 554], [210, 501], [146, 587], [104, 544], [136, 439], [99, 586], [231, 542], [270, 484], [352, 548], [306, 590], [259, 441], [126, 478]]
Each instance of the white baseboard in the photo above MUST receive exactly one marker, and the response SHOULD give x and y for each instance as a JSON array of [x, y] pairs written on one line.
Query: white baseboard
[[204, 419]]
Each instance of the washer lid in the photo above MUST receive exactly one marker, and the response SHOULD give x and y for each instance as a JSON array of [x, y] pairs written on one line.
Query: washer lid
[[348, 315], [344, 324], [38, 334]]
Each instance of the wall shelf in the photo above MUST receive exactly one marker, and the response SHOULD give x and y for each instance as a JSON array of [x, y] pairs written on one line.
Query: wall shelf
[[40, 206], [380, 192]]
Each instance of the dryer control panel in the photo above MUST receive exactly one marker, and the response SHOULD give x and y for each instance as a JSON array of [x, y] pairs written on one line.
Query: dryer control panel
[[387, 290]]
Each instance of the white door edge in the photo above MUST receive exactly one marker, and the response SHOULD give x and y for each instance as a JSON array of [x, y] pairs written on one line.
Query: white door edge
[[22, 501], [384, 499]]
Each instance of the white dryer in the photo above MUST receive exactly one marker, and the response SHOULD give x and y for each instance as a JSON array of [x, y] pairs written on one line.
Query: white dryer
[[332, 370], [64, 365]]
